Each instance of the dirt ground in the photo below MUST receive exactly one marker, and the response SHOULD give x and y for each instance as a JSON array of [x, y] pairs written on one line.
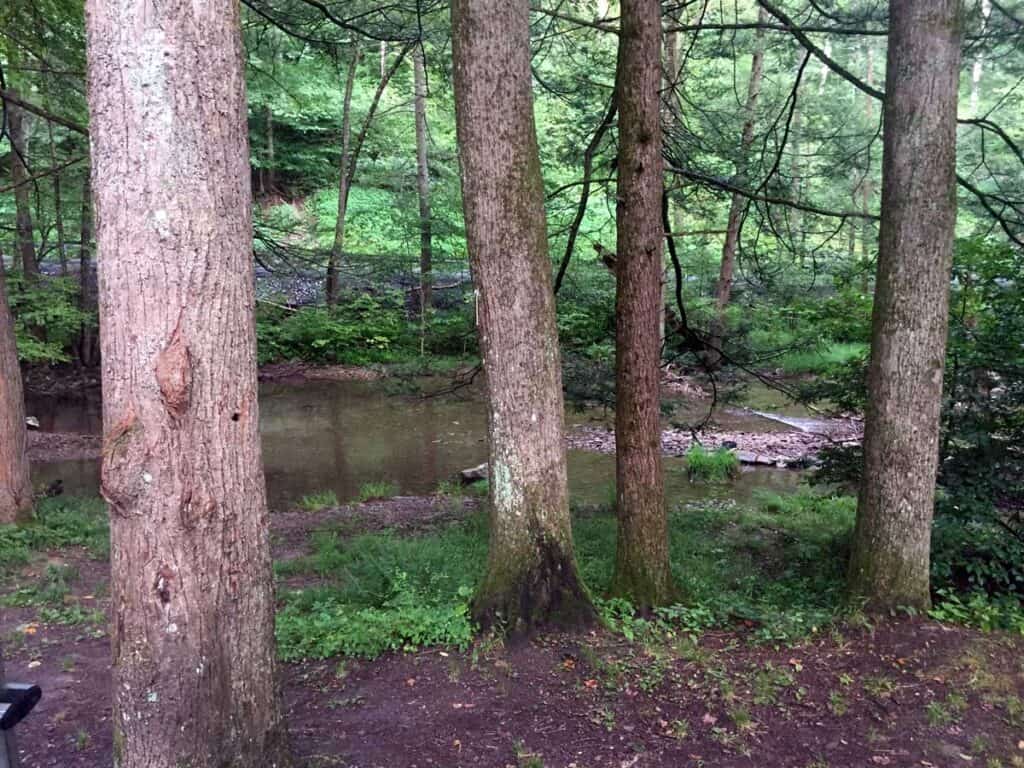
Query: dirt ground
[[904, 692]]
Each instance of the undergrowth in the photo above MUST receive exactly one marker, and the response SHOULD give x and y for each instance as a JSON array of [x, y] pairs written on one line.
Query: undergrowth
[[57, 522], [711, 466]]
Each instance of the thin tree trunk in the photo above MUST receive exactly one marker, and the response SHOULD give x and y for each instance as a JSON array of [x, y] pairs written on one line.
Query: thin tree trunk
[[15, 483], [531, 575], [88, 345], [58, 207], [271, 160], [22, 190], [723, 289], [979, 60], [423, 190], [866, 188], [349, 162], [889, 566], [642, 571], [334, 260], [192, 592]]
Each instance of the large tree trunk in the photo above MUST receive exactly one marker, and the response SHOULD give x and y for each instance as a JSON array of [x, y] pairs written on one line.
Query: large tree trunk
[[890, 560], [531, 573], [723, 289], [22, 191], [15, 483], [338, 246], [642, 571], [423, 186], [192, 591]]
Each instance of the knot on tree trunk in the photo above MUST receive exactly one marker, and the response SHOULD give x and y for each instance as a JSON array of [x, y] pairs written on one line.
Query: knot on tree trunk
[[174, 375]]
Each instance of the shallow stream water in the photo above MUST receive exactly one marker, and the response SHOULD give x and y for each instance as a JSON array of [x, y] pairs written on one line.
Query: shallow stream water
[[320, 436]]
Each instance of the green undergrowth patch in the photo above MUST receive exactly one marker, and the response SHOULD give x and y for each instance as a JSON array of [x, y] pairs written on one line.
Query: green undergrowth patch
[[315, 502], [820, 360], [59, 522], [711, 466], [381, 489]]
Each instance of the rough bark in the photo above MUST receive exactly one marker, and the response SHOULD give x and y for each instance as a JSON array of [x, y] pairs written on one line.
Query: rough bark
[[423, 183], [889, 565], [192, 591], [337, 247], [20, 177], [642, 571], [723, 288], [531, 575], [15, 483]]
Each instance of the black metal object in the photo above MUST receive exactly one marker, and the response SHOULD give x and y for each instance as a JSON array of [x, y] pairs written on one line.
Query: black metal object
[[16, 701]]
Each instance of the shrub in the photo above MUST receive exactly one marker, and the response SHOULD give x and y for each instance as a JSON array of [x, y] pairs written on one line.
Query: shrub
[[314, 502], [382, 489], [711, 466]]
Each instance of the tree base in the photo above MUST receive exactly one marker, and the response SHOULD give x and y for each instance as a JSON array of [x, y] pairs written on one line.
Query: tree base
[[550, 593]]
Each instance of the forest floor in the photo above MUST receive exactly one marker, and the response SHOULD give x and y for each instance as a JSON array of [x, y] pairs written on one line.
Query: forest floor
[[899, 692]]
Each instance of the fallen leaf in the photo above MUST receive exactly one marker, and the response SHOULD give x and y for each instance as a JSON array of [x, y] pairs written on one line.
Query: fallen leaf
[[591, 683], [709, 719], [34, 664], [411, 682]]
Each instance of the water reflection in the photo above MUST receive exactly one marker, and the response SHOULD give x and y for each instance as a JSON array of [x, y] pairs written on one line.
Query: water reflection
[[339, 435]]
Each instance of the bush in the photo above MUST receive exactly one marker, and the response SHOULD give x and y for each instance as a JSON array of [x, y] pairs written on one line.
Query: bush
[[59, 522], [47, 319], [711, 466]]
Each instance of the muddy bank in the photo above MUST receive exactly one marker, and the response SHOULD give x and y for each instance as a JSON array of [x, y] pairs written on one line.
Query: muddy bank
[[62, 446], [298, 372]]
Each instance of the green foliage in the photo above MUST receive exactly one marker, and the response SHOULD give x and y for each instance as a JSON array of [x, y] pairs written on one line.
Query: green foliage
[[711, 466], [979, 609], [47, 318], [382, 489], [314, 502], [360, 330], [821, 361], [59, 522], [383, 592]]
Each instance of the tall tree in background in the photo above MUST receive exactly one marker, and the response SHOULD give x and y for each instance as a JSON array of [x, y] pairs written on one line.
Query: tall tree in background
[[350, 161], [423, 187], [723, 288], [642, 570], [531, 572], [889, 565], [192, 596], [22, 190], [15, 483]]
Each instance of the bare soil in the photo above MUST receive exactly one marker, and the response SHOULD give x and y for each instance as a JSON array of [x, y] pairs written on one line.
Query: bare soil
[[904, 692]]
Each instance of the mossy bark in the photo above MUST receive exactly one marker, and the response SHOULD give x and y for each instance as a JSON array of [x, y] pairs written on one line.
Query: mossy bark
[[531, 576], [889, 565], [642, 571]]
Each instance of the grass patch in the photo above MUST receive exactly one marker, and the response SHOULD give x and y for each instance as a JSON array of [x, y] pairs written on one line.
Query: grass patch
[[314, 502], [64, 521], [819, 360], [382, 489], [711, 466]]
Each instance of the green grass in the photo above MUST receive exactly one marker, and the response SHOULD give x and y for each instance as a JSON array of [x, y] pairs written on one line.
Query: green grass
[[59, 522], [382, 489], [819, 360], [711, 466], [778, 563], [314, 502]]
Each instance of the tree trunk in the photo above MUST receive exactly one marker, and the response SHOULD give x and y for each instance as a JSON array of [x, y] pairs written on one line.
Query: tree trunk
[[334, 260], [349, 161], [531, 575], [88, 344], [866, 187], [22, 191], [979, 60], [423, 187], [723, 289], [271, 183], [15, 483], [890, 560], [58, 207], [642, 570], [192, 591]]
